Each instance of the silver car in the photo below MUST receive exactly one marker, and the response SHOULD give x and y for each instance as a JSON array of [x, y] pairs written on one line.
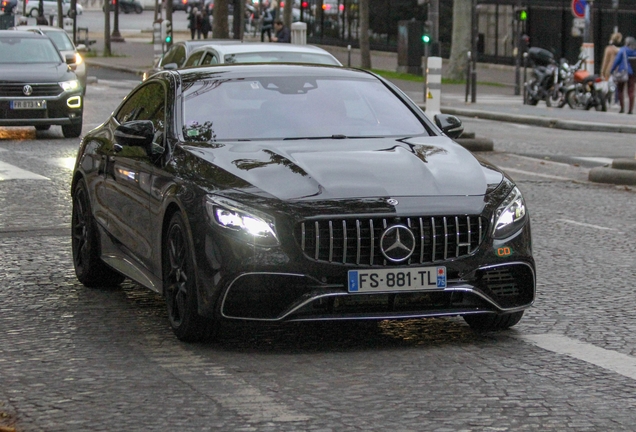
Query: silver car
[[65, 45]]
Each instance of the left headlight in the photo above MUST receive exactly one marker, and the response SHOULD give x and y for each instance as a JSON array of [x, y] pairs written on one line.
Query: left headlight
[[78, 59], [510, 215], [248, 225], [70, 85]]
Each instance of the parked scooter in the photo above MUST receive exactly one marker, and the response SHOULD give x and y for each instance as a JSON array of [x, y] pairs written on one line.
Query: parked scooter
[[547, 79]]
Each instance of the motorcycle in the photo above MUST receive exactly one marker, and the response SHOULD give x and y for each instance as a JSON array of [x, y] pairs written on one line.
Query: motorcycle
[[588, 91], [547, 79]]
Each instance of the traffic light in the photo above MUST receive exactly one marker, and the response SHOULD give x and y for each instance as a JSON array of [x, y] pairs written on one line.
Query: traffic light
[[166, 32], [426, 38], [521, 14], [426, 35]]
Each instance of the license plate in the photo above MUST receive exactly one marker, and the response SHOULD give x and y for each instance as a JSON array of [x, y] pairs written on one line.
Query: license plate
[[28, 104], [404, 279]]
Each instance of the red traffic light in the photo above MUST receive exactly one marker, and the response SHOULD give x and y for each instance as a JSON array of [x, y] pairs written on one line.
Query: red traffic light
[[304, 4]]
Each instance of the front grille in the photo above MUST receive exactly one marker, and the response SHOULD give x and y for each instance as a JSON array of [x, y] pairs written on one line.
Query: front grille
[[39, 90], [357, 241]]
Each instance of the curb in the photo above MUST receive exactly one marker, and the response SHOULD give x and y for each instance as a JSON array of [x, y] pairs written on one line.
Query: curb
[[613, 176], [540, 121]]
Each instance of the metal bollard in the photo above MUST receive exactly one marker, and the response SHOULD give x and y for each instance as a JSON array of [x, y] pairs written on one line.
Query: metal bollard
[[348, 55], [468, 63], [525, 77], [433, 86]]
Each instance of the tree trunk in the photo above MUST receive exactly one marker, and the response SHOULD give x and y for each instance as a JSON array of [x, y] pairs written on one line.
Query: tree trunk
[[365, 50], [60, 15], [107, 50], [461, 42], [220, 26], [287, 14]]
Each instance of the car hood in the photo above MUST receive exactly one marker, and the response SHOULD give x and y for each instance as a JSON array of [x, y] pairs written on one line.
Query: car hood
[[345, 168], [39, 72]]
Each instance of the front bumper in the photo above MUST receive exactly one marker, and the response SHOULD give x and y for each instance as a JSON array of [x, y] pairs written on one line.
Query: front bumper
[[277, 286], [57, 111]]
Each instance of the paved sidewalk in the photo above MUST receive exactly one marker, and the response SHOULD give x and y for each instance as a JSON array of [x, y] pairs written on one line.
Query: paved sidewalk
[[495, 102]]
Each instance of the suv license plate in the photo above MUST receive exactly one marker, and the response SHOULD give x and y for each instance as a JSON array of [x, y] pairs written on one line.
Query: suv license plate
[[28, 104], [405, 279]]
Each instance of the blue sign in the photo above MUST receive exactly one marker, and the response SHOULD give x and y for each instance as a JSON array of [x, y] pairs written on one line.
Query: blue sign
[[578, 8]]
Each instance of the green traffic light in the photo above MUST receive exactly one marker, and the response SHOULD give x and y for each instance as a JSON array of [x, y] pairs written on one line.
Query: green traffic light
[[168, 39], [426, 38], [523, 15]]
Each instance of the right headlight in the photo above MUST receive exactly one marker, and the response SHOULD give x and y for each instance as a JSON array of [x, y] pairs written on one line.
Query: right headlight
[[248, 225], [511, 215]]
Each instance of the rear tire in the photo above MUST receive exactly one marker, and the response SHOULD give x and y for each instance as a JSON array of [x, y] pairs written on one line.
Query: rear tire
[[89, 268], [73, 130], [180, 285], [493, 322], [138, 9]]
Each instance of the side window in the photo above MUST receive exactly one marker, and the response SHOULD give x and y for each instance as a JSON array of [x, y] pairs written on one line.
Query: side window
[[179, 56], [169, 57], [147, 103], [209, 59], [194, 58]]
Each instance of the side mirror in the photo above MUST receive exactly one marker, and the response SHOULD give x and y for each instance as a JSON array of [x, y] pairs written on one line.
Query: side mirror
[[170, 66], [137, 133], [450, 125], [81, 48]]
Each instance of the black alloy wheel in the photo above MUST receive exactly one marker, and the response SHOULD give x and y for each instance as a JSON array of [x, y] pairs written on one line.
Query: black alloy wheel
[[493, 322], [180, 285], [89, 268]]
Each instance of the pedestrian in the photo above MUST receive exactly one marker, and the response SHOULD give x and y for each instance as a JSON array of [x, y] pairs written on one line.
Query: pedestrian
[[206, 26], [192, 22], [621, 63], [267, 23], [611, 50], [199, 23], [282, 32]]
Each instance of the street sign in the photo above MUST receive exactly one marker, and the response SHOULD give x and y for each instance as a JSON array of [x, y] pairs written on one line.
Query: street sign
[[578, 8]]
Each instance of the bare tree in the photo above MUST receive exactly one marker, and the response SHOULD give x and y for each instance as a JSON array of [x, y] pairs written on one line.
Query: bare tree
[[220, 26], [365, 50], [461, 42]]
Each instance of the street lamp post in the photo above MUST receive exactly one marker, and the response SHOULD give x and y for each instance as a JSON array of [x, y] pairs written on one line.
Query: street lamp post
[[116, 36]]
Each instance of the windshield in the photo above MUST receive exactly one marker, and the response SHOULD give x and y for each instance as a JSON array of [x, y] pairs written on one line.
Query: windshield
[[28, 50], [294, 107], [281, 57], [61, 40]]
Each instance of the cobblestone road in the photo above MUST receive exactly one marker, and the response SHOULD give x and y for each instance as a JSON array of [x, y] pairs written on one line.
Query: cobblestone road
[[77, 359]]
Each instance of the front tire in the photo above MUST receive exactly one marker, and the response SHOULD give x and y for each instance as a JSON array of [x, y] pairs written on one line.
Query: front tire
[[42, 127], [73, 130], [180, 285], [89, 268], [493, 322]]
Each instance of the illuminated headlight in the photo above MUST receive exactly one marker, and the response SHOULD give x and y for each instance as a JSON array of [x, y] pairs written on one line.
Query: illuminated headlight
[[70, 85], [246, 224], [78, 59], [510, 215]]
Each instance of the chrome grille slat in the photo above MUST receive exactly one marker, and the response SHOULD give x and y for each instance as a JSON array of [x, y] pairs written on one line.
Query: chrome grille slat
[[330, 241], [445, 238], [344, 241], [359, 242], [317, 241]]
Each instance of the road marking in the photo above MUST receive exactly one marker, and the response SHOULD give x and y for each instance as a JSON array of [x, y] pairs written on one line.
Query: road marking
[[622, 364], [10, 172], [601, 160], [587, 225], [553, 177]]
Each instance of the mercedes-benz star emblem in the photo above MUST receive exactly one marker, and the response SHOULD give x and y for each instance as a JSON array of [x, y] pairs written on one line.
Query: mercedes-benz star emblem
[[397, 243], [392, 201], [27, 90]]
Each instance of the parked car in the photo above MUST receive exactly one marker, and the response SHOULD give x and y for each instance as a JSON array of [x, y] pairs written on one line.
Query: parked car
[[50, 7], [65, 45], [256, 52], [278, 192], [185, 5], [177, 55], [37, 86], [127, 6]]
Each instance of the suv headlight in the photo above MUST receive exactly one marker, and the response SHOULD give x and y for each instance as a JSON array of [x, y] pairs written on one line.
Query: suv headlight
[[248, 225], [70, 85], [510, 215]]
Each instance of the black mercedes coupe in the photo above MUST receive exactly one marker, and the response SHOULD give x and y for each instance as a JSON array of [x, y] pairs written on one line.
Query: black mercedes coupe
[[296, 192]]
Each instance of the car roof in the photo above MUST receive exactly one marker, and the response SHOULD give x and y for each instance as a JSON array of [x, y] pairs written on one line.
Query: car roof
[[245, 70], [21, 33], [247, 47], [38, 27]]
